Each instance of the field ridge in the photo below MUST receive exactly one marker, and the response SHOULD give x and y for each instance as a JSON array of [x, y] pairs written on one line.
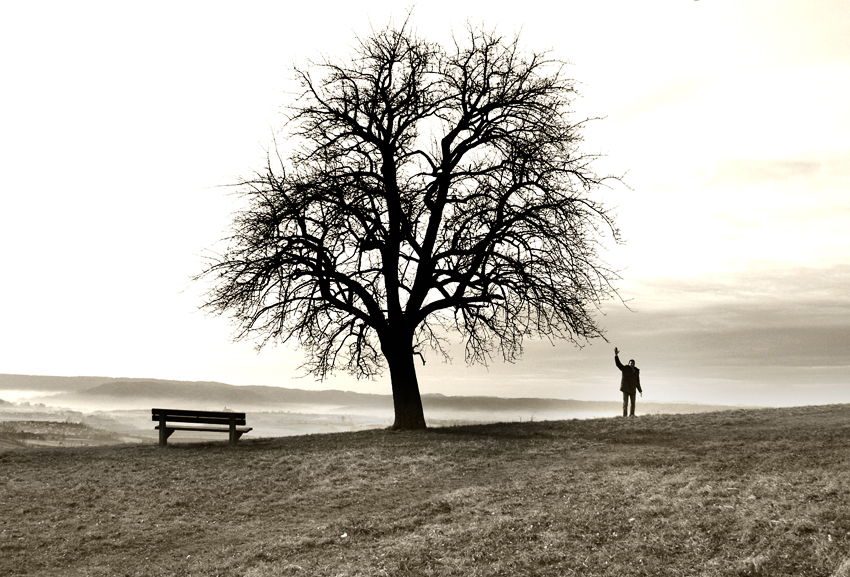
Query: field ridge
[[743, 492]]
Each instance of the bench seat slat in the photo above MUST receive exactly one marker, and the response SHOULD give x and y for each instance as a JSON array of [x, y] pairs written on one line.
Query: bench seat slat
[[211, 429], [199, 420], [187, 412], [186, 416]]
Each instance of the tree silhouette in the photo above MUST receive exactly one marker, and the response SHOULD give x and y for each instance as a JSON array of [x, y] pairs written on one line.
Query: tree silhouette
[[425, 189]]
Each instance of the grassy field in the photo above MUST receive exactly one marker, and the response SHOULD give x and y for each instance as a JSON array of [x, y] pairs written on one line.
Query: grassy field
[[758, 492], [22, 434]]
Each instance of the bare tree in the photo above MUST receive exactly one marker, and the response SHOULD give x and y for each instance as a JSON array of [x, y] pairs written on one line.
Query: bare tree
[[426, 190]]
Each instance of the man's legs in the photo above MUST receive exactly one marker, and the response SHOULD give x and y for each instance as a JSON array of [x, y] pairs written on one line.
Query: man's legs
[[626, 398]]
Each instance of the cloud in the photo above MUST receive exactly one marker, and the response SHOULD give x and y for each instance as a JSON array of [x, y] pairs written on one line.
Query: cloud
[[670, 93], [782, 315], [749, 171], [770, 335]]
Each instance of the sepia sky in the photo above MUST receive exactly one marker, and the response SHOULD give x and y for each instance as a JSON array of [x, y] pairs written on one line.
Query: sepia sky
[[120, 123]]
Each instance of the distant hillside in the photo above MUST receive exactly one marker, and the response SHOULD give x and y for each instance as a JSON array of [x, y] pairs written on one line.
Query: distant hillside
[[48, 384], [147, 393], [219, 394], [107, 393]]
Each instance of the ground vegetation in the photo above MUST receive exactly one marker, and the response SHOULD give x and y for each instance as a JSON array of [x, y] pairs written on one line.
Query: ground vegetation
[[749, 492]]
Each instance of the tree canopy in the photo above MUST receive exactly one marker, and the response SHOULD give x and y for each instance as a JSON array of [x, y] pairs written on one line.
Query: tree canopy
[[424, 190]]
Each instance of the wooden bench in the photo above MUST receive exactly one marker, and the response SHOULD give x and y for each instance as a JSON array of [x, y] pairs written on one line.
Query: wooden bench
[[234, 422]]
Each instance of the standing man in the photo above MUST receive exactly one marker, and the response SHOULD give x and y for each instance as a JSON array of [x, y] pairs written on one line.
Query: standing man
[[629, 383]]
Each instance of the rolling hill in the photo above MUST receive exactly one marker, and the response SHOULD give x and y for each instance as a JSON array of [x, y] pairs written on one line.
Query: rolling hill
[[735, 493], [107, 393]]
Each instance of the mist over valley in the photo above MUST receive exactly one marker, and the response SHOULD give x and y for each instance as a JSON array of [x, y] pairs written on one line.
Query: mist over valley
[[122, 406]]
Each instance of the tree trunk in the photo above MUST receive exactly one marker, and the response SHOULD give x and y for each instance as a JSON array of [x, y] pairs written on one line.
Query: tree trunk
[[406, 399]]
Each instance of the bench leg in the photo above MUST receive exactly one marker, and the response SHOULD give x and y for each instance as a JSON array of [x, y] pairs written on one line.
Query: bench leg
[[234, 434], [164, 433]]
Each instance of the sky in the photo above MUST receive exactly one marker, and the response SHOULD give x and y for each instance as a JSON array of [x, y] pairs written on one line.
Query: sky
[[121, 125]]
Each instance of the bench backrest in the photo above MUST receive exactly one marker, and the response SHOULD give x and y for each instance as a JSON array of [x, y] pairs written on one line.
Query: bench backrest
[[200, 417]]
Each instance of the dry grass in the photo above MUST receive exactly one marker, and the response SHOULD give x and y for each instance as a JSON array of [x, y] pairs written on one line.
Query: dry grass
[[21, 434], [737, 493]]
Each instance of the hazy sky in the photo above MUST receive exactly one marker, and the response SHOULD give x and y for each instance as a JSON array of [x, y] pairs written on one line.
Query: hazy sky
[[120, 122]]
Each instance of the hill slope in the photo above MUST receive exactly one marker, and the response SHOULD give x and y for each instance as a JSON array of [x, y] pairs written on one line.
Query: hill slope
[[146, 393], [760, 492], [48, 384]]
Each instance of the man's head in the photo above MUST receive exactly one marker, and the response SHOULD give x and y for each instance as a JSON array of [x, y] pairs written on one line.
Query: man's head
[[631, 362]]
